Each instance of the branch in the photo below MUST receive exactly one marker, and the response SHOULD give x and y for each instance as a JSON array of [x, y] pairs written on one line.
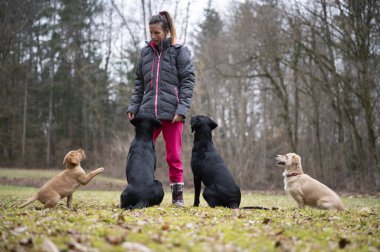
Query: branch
[[260, 75], [125, 23]]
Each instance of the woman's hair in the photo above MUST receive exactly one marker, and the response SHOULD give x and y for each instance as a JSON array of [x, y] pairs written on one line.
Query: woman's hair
[[166, 22]]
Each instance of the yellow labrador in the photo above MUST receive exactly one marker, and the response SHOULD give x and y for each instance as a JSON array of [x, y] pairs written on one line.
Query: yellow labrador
[[303, 188], [65, 183]]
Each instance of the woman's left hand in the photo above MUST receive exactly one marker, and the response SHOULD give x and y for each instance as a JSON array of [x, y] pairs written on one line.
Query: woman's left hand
[[178, 118]]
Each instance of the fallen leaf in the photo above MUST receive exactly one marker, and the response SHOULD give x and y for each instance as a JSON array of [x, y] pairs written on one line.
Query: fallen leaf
[[189, 225], [365, 211], [115, 240], [277, 244], [26, 242], [285, 244], [18, 230], [77, 246], [279, 232], [48, 246], [73, 232], [120, 218], [266, 221], [157, 238], [165, 226], [343, 242], [141, 222], [135, 247]]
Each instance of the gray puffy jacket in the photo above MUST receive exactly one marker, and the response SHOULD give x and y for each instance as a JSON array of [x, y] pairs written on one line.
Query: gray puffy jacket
[[164, 81]]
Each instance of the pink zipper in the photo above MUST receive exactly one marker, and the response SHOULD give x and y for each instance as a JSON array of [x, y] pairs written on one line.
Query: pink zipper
[[156, 96]]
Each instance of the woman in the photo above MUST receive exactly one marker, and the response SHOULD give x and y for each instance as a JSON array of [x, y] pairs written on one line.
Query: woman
[[164, 88]]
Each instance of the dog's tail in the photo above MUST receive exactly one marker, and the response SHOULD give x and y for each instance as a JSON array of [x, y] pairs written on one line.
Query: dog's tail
[[255, 207], [29, 201]]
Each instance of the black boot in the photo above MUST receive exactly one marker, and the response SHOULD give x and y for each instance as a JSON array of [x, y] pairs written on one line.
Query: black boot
[[177, 194]]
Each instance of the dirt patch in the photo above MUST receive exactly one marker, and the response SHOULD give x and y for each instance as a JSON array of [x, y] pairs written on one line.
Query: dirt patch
[[100, 185]]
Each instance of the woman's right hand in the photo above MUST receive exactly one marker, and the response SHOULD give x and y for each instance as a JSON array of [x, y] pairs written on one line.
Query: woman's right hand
[[131, 115]]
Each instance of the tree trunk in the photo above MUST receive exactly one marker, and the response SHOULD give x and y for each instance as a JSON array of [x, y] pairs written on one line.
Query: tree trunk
[[50, 116], [24, 117], [144, 19]]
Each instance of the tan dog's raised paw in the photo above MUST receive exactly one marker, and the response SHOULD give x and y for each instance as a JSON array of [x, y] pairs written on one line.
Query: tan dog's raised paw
[[100, 170]]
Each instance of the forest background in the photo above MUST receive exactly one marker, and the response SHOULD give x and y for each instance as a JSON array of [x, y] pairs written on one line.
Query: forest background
[[276, 76]]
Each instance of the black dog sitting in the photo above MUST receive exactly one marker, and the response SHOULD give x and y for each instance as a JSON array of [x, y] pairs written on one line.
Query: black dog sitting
[[142, 189], [208, 167]]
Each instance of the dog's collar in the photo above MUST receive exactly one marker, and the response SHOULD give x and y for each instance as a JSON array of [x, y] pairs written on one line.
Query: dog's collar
[[292, 175]]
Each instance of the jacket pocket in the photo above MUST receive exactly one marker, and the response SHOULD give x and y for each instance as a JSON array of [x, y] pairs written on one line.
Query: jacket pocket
[[172, 59]]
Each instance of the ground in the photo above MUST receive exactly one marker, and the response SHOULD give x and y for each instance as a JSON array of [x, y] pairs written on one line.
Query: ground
[[95, 223]]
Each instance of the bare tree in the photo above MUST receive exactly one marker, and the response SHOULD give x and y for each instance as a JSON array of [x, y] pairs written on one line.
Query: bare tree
[[186, 21], [144, 18]]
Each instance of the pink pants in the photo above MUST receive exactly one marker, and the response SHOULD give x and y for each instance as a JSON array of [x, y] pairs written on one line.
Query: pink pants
[[172, 133]]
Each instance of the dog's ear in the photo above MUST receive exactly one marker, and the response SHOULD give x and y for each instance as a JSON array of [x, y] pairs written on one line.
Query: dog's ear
[[135, 121], [71, 158], [212, 124], [156, 123], [66, 158], [296, 159], [194, 123]]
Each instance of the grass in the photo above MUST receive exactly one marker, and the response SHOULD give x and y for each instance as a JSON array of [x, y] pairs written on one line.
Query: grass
[[46, 174], [97, 224]]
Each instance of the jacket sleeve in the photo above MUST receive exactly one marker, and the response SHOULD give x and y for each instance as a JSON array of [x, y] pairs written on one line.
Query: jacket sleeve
[[138, 93], [186, 81]]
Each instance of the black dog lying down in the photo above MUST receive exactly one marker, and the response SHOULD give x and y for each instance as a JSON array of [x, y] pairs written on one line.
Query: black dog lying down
[[208, 167], [142, 190]]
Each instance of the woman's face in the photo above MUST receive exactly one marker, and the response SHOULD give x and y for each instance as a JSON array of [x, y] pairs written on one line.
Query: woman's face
[[157, 33]]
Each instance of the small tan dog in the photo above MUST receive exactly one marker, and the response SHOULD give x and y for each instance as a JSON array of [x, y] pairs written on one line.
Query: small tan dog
[[65, 183], [303, 188]]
